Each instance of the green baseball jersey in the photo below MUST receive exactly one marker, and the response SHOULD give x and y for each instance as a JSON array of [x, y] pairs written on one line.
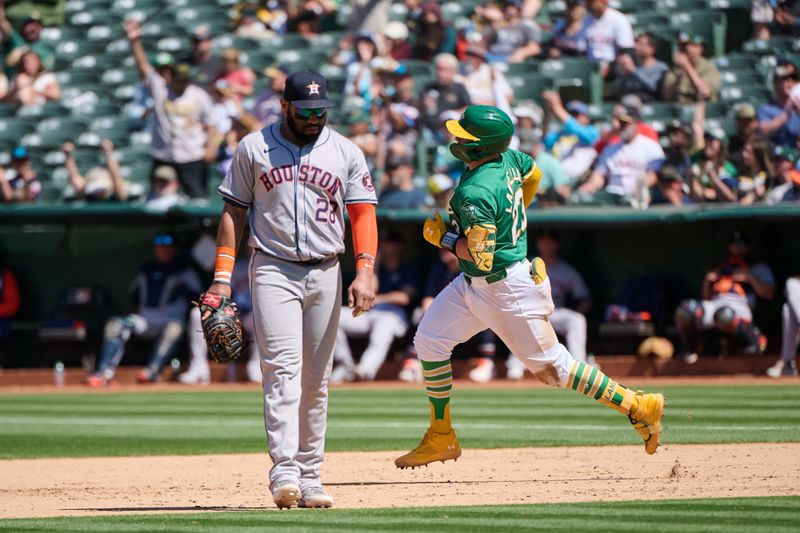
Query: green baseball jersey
[[491, 195]]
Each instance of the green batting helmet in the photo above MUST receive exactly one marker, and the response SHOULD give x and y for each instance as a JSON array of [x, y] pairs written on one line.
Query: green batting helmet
[[487, 129]]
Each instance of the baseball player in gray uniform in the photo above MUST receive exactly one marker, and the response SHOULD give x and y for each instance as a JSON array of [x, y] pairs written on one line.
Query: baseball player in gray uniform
[[295, 177]]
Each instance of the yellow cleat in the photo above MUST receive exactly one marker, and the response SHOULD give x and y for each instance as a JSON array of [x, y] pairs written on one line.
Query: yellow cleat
[[646, 419], [434, 447]]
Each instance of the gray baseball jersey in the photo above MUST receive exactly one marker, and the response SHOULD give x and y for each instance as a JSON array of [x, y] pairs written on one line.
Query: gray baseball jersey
[[297, 194]]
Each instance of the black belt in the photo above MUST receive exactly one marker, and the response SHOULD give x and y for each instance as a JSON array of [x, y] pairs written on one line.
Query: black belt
[[491, 278]]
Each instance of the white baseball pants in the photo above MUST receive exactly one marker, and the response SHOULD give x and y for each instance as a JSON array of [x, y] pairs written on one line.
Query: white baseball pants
[[515, 308], [383, 323], [296, 314]]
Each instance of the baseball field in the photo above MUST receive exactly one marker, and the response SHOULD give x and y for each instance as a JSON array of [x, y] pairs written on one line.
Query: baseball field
[[184, 459]]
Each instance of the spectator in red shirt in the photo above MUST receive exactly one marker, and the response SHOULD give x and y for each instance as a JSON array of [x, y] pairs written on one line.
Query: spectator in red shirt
[[239, 78], [611, 136]]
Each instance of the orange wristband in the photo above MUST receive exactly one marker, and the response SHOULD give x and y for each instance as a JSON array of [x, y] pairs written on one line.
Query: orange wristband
[[223, 269]]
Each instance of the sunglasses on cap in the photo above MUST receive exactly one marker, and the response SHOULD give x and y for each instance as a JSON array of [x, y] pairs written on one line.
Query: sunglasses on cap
[[306, 114], [163, 240]]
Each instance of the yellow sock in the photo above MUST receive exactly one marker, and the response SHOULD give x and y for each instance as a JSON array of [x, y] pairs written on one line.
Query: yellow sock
[[443, 424], [590, 381]]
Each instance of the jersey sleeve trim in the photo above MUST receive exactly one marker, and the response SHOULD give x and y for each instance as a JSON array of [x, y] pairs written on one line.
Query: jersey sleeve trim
[[233, 201], [372, 201]]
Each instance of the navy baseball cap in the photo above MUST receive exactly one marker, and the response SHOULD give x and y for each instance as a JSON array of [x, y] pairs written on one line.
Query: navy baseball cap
[[307, 89]]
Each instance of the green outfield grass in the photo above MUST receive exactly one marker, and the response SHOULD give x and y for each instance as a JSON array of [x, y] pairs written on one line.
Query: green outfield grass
[[159, 423], [781, 513]]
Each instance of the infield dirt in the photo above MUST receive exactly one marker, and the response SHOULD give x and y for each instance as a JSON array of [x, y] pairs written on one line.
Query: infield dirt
[[132, 485]]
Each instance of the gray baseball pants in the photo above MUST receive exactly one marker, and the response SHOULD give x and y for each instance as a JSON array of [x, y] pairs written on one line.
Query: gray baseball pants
[[791, 319], [296, 315]]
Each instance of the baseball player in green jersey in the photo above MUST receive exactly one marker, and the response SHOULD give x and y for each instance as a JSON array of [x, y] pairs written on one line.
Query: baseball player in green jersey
[[500, 289]]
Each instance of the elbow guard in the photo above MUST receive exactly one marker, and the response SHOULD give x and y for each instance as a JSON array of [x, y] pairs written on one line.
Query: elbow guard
[[481, 245]]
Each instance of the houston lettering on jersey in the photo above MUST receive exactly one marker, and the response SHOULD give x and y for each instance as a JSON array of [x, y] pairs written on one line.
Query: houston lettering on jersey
[[308, 174]]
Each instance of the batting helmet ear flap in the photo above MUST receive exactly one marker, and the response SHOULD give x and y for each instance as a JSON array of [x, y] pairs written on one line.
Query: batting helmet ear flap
[[487, 129]]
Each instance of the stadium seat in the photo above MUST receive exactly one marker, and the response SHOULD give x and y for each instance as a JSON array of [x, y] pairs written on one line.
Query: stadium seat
[[578, 73], [675, 6], [755, 94], [711, 25], [736, 61], [778, 44], [531, 86]]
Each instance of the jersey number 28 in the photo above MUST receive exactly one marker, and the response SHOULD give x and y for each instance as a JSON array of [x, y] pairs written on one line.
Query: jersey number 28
[[519, 217], [326, 211]]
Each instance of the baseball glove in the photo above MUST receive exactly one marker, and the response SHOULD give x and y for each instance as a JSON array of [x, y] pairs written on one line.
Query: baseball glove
[[222, 329]]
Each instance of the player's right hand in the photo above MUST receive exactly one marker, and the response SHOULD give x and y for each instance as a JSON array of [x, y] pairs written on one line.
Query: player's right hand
[[361, 293], [434, 229]]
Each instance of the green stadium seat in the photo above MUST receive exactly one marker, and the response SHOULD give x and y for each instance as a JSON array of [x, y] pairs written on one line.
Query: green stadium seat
[[531, 86], [39, 112], [119, 76], [96, 109], [77, 78], [647, 18], [104, 33], [69, 125], [124, 93], [95, 61], [755, 94], [730, 77], [576, 73], [524, 68], [711, 25], [49, 140], [123, 7], [12, 130], [109, 125], [674, 6], [778, 44], [632, 6], [663, 111], [736, 61]]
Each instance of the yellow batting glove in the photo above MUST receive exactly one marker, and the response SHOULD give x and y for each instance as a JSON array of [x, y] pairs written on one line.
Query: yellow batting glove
[[434, 229]]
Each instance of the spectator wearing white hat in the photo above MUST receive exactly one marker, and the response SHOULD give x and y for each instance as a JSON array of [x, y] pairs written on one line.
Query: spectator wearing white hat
[[100, 183], [485, 84], [164, 189], [397, 45]]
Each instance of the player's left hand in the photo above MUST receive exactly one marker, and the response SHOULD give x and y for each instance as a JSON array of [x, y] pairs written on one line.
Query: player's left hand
[[434, 229], [361, 293]]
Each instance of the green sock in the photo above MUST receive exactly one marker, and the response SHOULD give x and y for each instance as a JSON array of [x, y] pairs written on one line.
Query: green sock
[[438, 384]]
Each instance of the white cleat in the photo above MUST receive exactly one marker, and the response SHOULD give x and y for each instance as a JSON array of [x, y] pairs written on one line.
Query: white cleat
[[195, 376], [411, 372], [781, 369], [286, 494], [484, 372], [315, 498], [342, 374]]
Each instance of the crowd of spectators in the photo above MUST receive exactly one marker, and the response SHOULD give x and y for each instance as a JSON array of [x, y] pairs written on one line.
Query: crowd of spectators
[[403, 78]]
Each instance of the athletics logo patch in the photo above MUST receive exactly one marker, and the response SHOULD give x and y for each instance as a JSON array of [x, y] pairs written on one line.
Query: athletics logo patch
[[366, 181]]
